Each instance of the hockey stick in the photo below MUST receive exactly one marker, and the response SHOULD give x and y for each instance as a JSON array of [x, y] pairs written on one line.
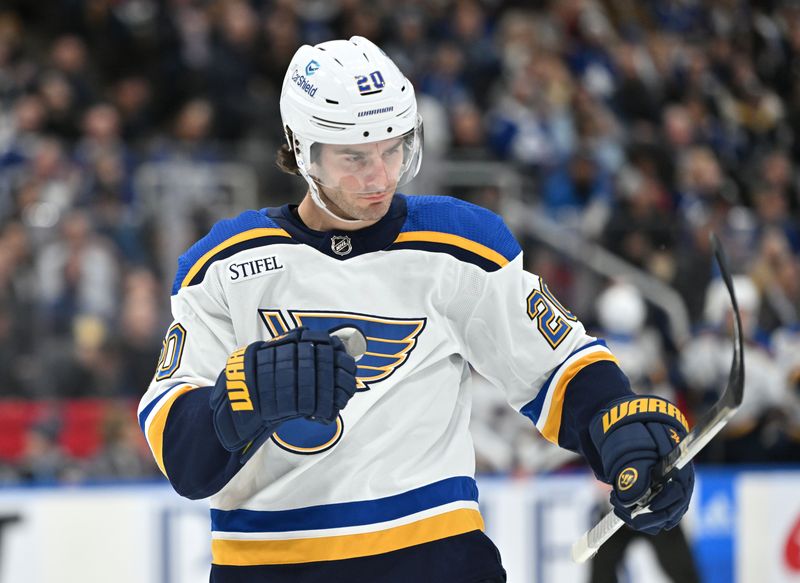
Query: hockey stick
[[706, 428]]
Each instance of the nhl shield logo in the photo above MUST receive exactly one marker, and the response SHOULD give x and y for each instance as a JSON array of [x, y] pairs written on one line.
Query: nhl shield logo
[[341, 245]]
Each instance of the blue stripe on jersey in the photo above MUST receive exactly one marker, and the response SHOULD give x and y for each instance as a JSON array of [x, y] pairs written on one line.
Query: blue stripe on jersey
[[221, 232], [446, 214], [346, 513], [534, 409]]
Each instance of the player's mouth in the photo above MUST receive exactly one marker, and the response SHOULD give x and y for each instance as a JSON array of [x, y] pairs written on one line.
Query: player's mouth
[[375, 197]]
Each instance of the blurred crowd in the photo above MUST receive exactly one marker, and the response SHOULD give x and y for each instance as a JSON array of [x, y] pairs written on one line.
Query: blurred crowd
[[128, 127]]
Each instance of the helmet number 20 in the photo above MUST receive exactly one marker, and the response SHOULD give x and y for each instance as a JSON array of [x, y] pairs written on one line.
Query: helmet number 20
[[370, 84]]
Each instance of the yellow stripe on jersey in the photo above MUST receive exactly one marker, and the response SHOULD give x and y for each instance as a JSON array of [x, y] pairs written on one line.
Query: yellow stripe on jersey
[[155, 434], [455, 240], [245, 236], [332, 548], [553, 424]]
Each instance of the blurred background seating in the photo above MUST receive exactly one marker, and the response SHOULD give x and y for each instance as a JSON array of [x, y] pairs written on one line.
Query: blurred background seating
[[614, 136]]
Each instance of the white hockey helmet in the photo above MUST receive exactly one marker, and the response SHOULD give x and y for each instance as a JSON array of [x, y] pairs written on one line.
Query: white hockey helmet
[[621, 309], [348, 92], [718, 305]]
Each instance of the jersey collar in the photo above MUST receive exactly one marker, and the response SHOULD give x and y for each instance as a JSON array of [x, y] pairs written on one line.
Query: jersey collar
[[345, 244]]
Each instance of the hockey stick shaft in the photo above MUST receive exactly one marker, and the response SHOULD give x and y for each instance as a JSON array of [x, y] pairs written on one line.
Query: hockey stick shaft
[[712, 423]]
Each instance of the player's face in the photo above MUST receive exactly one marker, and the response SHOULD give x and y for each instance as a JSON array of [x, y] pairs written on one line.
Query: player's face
[[360, 180]]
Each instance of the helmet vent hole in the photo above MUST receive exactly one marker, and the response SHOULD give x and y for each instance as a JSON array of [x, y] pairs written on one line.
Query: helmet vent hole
[[389, 130], [365, 56], [366, 134], [403, 88], [332, 101], [338, 61]]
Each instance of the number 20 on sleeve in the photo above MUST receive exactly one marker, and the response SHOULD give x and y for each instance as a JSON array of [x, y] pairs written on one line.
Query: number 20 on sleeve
[[550, 324]]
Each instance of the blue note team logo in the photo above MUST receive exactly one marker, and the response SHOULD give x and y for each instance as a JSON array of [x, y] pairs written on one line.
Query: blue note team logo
[[311, 68], [390, 342]]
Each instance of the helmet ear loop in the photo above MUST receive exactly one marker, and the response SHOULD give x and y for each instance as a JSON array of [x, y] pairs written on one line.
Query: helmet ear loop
[[412, 151], [298, 147], [419, 144]]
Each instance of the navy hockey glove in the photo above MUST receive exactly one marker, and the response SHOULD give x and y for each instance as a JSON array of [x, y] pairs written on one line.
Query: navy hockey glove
[[631, 436], [303, 373]]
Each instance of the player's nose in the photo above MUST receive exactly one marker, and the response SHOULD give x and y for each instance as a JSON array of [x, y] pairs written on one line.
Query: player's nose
[[377, 176]]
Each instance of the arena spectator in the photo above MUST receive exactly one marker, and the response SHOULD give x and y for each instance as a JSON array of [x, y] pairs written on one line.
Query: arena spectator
[[123, 453], [622, 314], [577, 194], [77, 275], [43, 460], [139, 333], [705, 364]]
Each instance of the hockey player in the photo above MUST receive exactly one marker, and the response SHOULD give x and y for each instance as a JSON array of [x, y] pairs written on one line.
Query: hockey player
[[321, 468]]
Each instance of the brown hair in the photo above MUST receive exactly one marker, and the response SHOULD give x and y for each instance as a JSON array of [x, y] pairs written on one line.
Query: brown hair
[[285, 157]]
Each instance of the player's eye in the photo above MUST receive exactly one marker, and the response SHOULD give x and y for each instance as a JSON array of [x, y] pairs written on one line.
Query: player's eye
[[392, 152]]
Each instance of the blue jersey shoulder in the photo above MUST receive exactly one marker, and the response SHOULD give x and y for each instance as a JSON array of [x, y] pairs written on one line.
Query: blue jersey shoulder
[[227, 237], [473, 233]]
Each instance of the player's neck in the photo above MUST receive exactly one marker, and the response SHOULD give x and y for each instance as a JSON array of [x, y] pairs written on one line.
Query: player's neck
[[317, 219]]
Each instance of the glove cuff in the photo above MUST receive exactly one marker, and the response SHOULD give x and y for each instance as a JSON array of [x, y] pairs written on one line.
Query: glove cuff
[[235, 410]]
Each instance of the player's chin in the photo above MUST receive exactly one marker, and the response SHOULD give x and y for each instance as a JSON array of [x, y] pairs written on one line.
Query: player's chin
[[372, 214]]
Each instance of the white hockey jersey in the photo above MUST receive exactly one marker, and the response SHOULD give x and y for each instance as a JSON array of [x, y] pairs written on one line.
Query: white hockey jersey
[[436, 285]]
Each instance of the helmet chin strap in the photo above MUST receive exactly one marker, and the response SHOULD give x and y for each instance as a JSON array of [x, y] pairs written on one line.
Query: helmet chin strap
[[315, 196]]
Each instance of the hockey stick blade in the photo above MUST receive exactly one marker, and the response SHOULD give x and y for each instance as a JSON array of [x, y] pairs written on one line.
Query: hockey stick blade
[[704, 430]]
